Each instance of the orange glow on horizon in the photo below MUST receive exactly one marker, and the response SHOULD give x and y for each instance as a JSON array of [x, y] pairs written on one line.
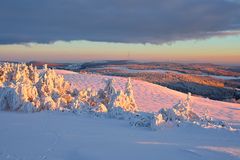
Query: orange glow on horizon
[[215, 50]]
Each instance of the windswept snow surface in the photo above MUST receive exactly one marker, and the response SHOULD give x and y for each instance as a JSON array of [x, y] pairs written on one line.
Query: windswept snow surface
[[150, 97], [65, 136]]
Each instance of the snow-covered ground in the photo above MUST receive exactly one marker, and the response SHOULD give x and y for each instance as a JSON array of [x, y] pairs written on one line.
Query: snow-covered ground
[[67, 136]]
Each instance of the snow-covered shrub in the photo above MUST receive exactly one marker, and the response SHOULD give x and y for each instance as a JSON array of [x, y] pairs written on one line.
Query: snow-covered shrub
[[157, 121], [141, 119], [11, 100], [182, 111], [149, 120], [209, 122], [100, 108]]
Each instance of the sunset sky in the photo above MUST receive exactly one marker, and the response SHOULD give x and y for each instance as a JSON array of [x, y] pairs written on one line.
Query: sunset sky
[[146, 30]]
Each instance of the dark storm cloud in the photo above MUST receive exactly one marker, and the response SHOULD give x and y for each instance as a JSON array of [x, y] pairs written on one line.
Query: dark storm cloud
[[135, 21]]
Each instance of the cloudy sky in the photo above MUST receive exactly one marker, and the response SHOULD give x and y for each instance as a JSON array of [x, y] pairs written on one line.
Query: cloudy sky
[[76, 30]]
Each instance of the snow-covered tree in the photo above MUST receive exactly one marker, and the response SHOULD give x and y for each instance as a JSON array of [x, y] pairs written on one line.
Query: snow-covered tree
[[180, 112], [131, 104], [25, 83], [113, 98], [109, 88]]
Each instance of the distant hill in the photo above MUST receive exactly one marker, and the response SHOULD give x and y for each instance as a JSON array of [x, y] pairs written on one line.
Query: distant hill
[[50, 64]]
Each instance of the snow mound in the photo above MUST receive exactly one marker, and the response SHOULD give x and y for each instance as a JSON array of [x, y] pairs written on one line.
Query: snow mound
[[24, 88]]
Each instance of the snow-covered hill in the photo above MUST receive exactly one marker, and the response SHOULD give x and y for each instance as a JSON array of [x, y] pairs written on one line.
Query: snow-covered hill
[[57, 135], [151, 97]]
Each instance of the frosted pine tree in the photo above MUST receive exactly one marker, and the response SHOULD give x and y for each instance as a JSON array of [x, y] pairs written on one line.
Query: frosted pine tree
[[16, 75], [122, 104], [109, 89], [45, 67], [118, 100], [33, 74], [131, 106], [108, 94]]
